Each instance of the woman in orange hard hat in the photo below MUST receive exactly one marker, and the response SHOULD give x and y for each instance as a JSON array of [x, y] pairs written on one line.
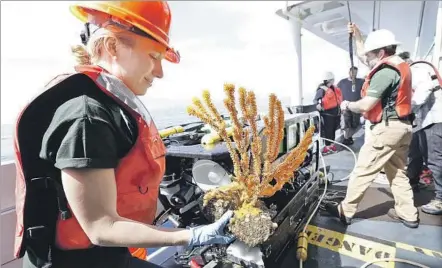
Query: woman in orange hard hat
[[89, 157]]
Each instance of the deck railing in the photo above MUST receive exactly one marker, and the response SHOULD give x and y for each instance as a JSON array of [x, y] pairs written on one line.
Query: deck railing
[[7, 215]]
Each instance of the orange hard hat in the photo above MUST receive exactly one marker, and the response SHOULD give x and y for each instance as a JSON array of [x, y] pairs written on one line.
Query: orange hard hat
[[147, 18]]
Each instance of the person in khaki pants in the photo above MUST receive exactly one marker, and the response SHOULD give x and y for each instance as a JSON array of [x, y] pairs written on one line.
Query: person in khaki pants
[[386, 103]]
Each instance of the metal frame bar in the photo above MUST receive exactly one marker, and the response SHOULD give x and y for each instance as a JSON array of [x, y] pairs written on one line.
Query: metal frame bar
[[296, 26], [438, 39], [419, 30]]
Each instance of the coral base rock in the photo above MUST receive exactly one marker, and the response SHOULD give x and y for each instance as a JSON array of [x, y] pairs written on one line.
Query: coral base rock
[[250, 224], [215, 208], [252, 229]]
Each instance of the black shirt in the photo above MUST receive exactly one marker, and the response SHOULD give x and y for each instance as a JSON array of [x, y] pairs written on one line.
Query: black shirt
[[347, 93], [89, 131]]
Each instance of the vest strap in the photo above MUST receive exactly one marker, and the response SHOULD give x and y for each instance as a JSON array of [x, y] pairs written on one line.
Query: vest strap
[[47, 183], [41, 232]]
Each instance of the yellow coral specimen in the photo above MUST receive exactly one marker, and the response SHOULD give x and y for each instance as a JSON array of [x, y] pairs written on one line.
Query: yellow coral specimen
[[252, 180], [284, 171], [247, 209], [233, 191]]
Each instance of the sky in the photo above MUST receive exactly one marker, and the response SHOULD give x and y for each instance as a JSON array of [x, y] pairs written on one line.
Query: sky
[[245, 43]]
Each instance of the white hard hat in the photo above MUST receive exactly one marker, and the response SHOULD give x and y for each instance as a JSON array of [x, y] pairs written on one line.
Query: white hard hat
[[327, 76], [379, 39]]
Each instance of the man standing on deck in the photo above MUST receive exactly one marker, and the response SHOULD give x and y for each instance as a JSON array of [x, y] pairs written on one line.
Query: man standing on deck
[[386, 103], [417, 155], [427, 137], [350, 121]]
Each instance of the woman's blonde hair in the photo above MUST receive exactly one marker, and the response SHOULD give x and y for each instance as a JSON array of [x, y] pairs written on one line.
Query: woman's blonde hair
[[93, 51]]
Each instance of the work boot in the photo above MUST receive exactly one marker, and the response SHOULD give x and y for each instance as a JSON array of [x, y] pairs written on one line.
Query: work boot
[[410, 224], [348, 141], [336, 211], [433, 208]]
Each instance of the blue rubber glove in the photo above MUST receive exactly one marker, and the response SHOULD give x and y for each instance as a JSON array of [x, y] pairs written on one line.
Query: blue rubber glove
[[212, 233]]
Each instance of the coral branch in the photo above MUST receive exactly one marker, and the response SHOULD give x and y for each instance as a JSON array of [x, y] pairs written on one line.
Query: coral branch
[[219, 125], [270, 132], [256, 146], [239, 134], [279, 126], [284, 171], [253, 174]]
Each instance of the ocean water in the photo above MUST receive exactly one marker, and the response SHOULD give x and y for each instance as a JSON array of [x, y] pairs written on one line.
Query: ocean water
[[170, 115], [163, 118]]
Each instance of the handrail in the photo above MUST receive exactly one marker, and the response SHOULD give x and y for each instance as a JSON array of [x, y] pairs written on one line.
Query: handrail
[[7, 162]]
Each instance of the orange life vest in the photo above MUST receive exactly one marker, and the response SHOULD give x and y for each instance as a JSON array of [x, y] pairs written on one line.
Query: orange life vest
[[403, 98], [140, 253], [137, 175], [332, 98]]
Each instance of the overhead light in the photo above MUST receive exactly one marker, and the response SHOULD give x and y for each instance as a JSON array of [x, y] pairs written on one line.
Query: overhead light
[[334, 26], [317, 8]]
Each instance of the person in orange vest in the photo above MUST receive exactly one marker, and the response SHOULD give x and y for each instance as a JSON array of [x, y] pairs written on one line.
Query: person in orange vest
[[386, 103], [89, 157], [327, 99]]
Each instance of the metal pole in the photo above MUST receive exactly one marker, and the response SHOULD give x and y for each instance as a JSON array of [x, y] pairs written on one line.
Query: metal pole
[[373, 26], [429, 51], [379, 15], [296, 25], [438, 39], [419, 31]]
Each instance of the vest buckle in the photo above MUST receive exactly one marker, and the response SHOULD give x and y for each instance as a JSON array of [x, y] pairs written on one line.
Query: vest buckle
[[36, 232]]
